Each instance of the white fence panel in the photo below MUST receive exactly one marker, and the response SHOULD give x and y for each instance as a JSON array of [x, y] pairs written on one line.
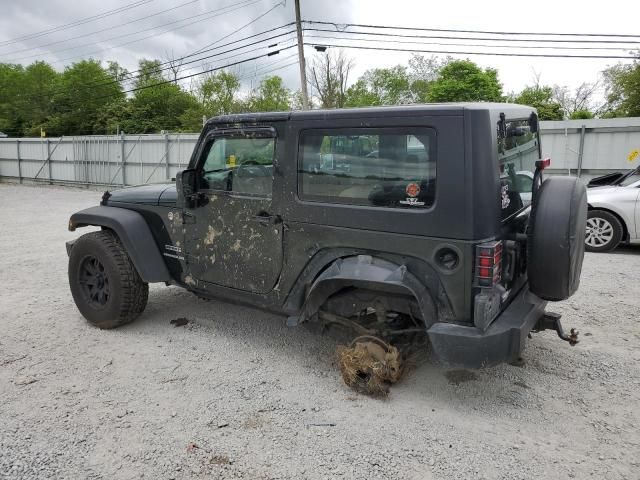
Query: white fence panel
[[137, 159]]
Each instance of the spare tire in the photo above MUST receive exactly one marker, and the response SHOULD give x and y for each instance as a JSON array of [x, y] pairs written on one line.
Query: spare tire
[[556, 238]]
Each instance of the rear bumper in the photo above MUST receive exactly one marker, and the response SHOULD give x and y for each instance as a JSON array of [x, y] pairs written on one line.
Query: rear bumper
[[503, 341]]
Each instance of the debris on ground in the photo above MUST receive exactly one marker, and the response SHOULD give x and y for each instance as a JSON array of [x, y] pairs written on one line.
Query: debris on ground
[[370, 365], [219, 460], [179, 322], [24, 380], [456, 377], [191, 447]]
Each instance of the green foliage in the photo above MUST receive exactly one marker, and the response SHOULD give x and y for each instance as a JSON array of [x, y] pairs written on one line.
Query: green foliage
[[26, 97], [464, 81], [85, 89], [581, 115], [359, 95], [540, 97], [158, 107], [623, 90], [11, 116], [216, 95], [423, 71], [381, 86], [149, 71], [270, 96]]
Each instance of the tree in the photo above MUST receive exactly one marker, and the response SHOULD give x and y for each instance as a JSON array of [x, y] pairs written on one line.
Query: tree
[[359, 95], [26, 97], [622, 86], [118, 73], [423, 71], [175, 65], [85, 89], [149, 71], [464, 81], [582, 99], [216, 94], [11, 114], [380, 86], [540, 97], [158, 107], [329, 75], [270, 96], [581, 115]]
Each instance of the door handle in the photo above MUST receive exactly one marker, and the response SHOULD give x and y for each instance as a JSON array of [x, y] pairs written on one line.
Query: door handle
[[263, 218]]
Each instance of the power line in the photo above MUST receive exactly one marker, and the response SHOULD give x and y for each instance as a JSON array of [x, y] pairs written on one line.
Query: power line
[[95, 86], [563, 34], [549, 47], [210, 70], [131, 78], [457, 37], [75, 23], [240, 28], [160, 70], [208, 15], [499, 54], [146, 17]]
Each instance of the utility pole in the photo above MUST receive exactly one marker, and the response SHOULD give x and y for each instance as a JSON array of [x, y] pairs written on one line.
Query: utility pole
[[301, 62]]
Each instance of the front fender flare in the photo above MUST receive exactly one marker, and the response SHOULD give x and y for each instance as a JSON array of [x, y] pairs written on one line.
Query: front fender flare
[[134, 233], [365, 271]]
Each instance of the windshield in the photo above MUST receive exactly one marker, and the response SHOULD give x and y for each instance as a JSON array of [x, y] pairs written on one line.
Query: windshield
[[633, 178]]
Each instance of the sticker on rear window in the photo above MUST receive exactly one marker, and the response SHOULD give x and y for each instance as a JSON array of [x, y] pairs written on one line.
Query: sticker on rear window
[[412, 190], [505, 197]]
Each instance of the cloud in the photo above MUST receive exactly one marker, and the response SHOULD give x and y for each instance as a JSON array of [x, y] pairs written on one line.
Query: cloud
[[20, 18]]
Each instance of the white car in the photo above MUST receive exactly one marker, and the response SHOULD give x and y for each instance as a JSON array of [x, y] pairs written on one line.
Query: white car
[[614, 212]]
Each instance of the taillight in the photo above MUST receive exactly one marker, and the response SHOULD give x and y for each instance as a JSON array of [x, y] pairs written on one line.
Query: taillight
[[488, 264], [488, 270]]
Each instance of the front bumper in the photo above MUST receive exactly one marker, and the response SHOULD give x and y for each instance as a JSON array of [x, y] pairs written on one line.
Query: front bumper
[[504, 340]]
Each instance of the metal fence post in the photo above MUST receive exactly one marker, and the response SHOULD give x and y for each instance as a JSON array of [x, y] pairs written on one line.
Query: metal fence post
[[581, 149], [19, 163], [122, 158], [49, 161], [166, 155]]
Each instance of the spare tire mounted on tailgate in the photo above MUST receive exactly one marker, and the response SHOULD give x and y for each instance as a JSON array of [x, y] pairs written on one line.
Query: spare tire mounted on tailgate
[[556, 238]]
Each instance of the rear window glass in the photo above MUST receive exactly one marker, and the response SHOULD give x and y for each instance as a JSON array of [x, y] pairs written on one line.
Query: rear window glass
[[518, 151], [382, 167]]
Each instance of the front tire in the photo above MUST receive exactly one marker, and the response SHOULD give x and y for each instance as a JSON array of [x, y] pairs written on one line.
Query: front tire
[[604, 231], [105, 284]]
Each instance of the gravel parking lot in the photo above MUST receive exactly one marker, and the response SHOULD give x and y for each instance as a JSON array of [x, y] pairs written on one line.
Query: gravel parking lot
[[236, 394]]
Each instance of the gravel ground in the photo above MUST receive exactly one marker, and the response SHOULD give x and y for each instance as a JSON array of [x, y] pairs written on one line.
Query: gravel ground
[[236, 394]]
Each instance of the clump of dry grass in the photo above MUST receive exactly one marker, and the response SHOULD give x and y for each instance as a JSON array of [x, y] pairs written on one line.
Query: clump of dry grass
[[370, 365]]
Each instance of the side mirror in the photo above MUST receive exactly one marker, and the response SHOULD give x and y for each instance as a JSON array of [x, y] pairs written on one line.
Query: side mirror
[[186, 185]]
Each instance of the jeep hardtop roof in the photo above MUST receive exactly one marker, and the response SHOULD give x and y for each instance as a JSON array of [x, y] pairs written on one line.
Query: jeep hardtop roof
[[511, 110]]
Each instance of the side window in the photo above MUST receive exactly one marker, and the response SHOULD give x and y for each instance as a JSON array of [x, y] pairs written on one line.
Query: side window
[[381, 167], [518, 151], [240, 164]]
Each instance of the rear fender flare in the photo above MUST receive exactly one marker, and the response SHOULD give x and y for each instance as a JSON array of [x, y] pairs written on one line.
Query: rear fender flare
[[366, 271], [134, 233]]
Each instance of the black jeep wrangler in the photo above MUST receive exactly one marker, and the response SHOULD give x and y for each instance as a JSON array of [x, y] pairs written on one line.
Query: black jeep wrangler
[[429, 217]]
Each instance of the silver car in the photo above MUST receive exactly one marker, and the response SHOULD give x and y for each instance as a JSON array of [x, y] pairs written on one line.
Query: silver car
[[614, 212]]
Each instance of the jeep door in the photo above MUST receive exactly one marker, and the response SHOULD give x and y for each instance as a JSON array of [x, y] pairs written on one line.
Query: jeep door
[[232, 236]]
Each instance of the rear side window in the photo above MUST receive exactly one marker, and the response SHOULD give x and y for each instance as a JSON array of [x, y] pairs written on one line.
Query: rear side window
[[381, 167], [518, 151]]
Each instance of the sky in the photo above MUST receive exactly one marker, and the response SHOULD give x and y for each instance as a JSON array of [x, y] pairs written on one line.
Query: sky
[[173, 28]]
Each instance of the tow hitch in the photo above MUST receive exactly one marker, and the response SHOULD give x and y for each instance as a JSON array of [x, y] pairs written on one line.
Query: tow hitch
[[551, 321]]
